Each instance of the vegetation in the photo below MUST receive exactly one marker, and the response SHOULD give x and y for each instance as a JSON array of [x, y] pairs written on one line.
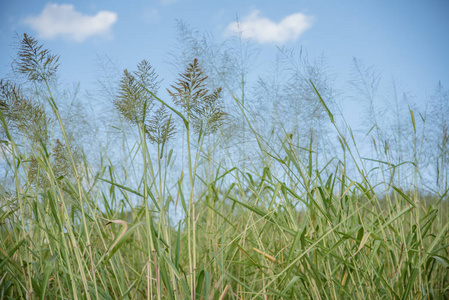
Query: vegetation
[[211, 200]]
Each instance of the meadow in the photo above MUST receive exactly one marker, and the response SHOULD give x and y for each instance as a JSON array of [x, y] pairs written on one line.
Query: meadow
[[198, 195]]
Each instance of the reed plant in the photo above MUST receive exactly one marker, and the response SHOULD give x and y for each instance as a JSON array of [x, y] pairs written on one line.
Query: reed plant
[[282, 226]]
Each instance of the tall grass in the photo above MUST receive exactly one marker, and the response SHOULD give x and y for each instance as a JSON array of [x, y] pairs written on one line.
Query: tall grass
[[286, 227]]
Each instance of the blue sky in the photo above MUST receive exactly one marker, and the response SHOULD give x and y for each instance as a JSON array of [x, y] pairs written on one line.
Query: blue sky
[[404, 40]]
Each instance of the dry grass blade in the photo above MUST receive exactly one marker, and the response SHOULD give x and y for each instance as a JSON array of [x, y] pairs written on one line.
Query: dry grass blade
[[223, 295], [266, 255], [117, 238]]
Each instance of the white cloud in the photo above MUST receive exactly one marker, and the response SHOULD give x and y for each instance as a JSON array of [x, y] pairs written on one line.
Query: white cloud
[[265, 30], [64, 21]]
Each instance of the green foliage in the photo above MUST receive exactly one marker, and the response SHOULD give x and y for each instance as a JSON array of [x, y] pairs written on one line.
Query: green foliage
[[290, 228]]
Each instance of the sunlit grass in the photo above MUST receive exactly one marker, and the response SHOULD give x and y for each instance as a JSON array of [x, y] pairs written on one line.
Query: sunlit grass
[[292, 227]]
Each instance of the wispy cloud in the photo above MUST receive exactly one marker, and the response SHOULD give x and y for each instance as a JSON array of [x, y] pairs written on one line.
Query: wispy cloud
[[265, 30], [64, 21]]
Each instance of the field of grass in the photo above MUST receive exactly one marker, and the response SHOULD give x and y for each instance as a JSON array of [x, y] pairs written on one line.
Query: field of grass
[[292, 223]]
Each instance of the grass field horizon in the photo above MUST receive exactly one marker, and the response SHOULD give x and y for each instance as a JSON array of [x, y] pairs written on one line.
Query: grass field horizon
[[204, 193]]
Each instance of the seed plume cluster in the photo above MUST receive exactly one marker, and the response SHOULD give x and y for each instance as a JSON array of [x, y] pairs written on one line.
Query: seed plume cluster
[[24, 115], [37, 63], [133, 101], [203, 108]]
